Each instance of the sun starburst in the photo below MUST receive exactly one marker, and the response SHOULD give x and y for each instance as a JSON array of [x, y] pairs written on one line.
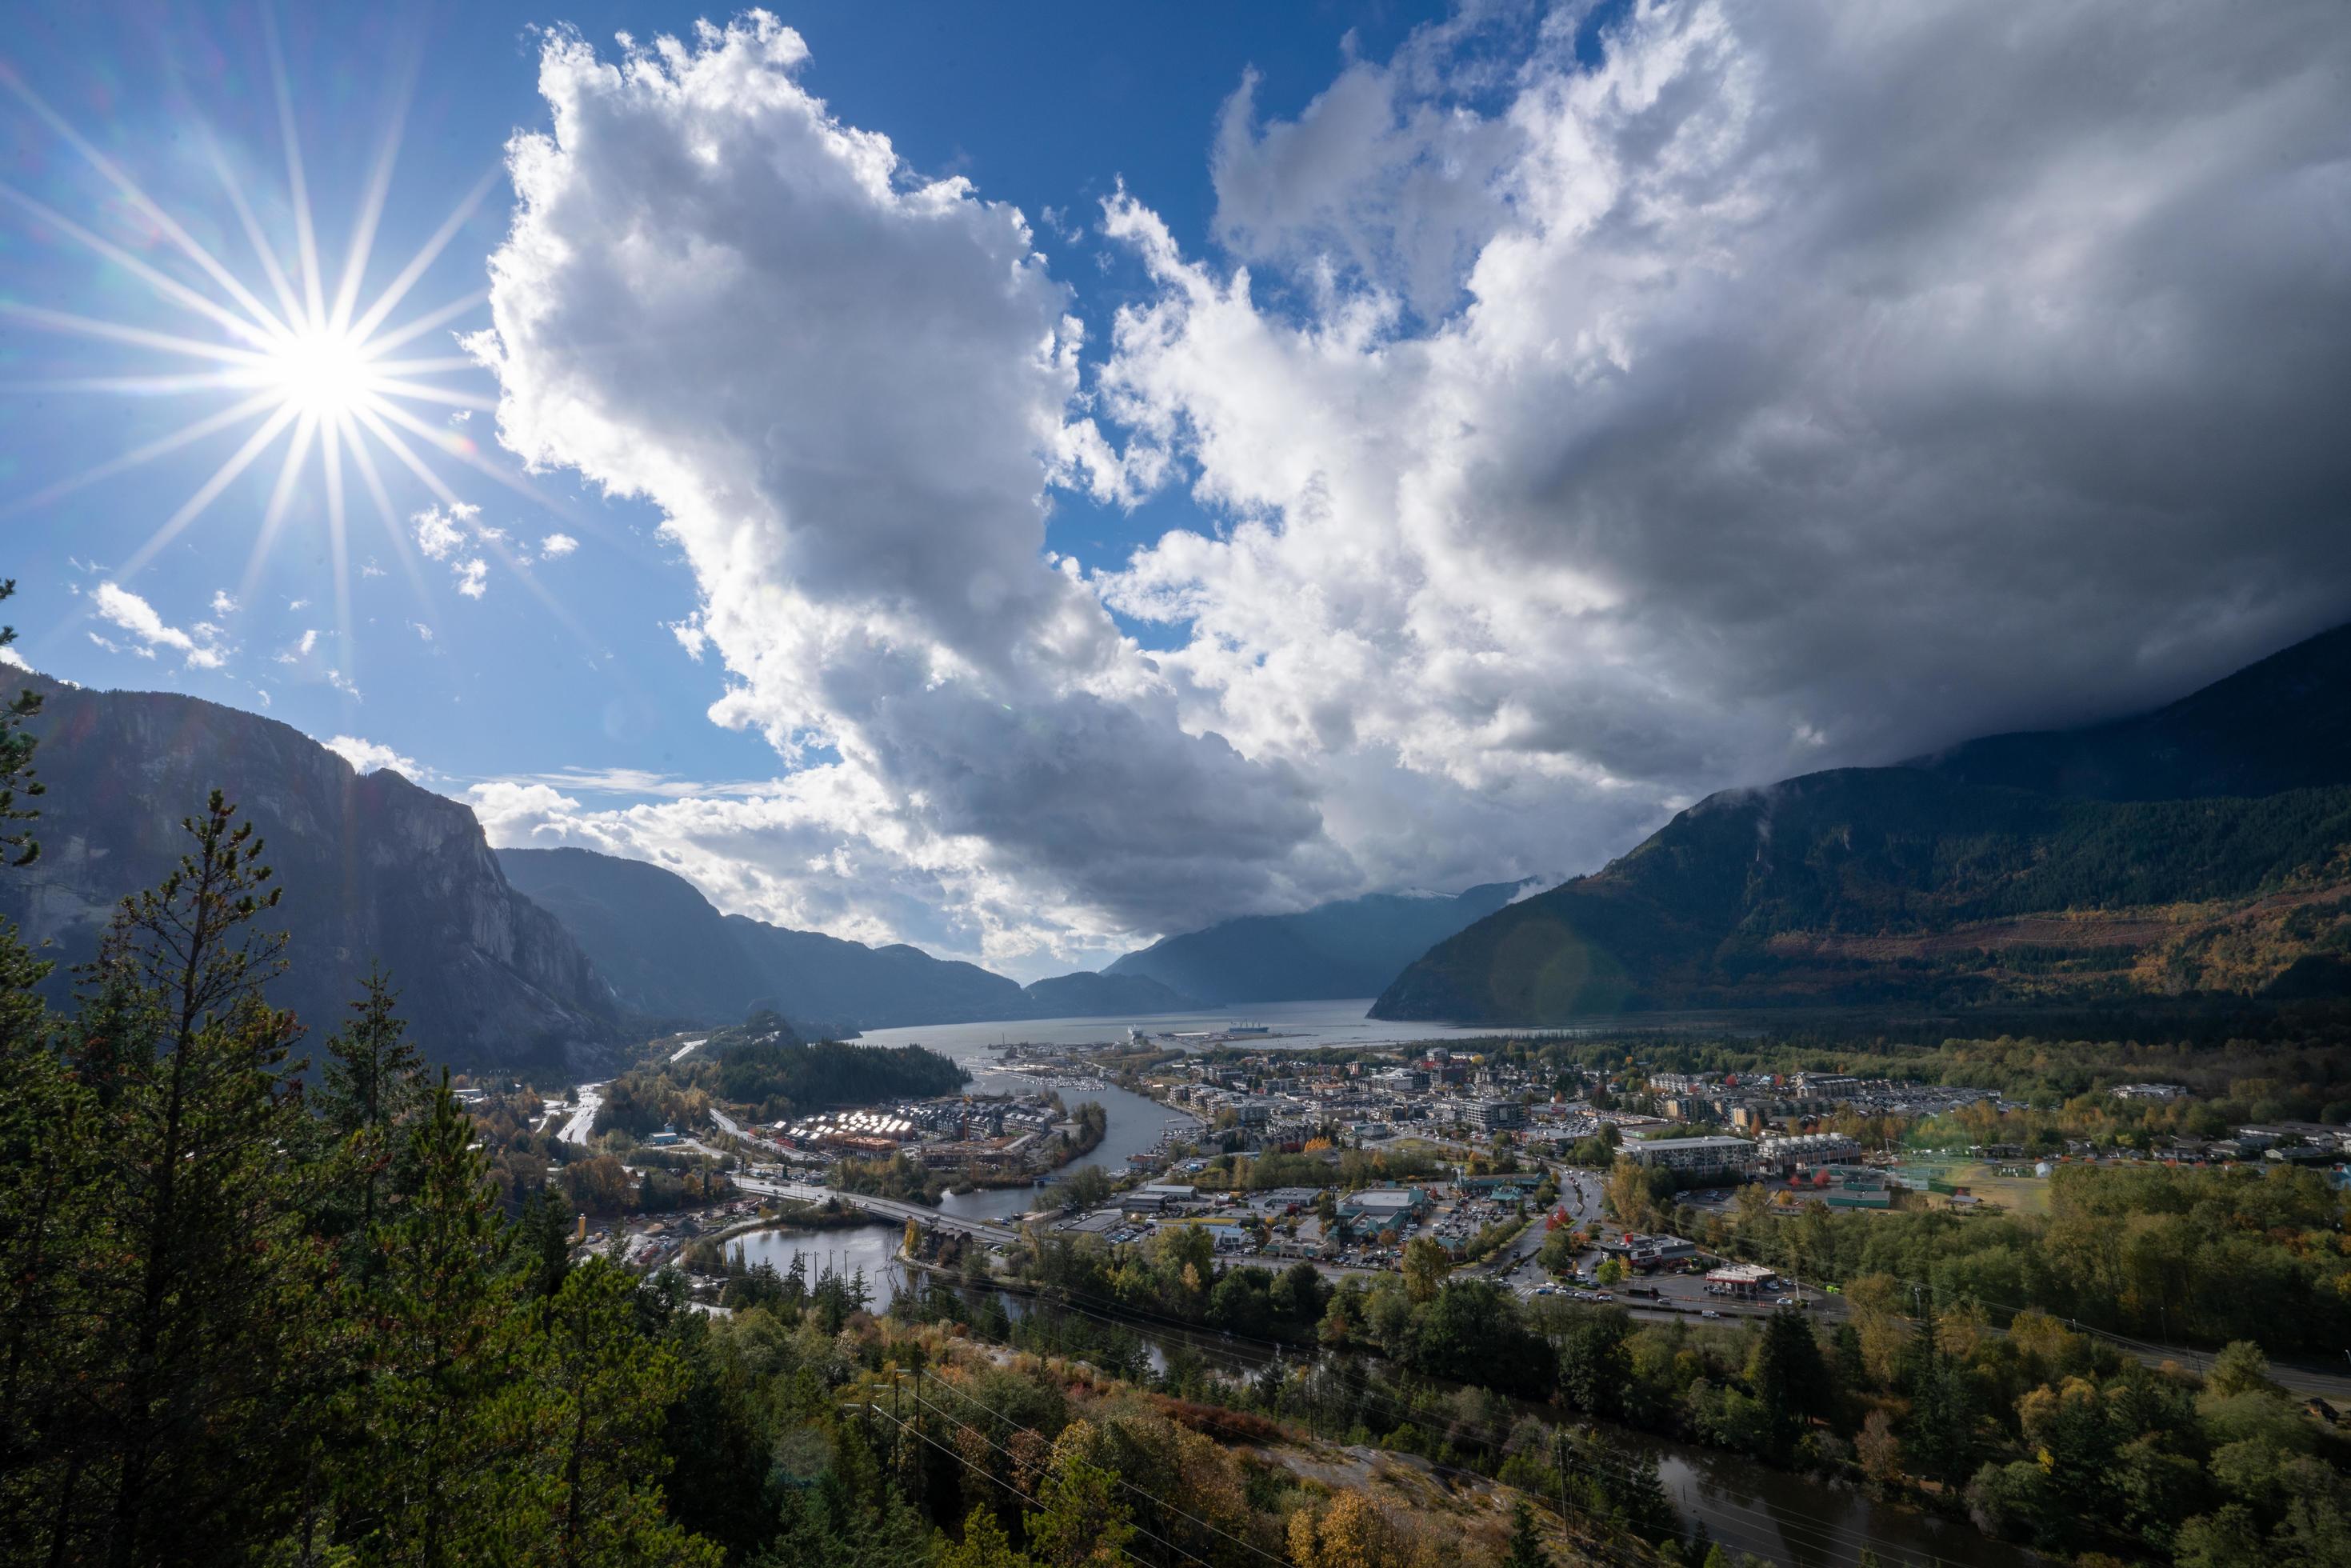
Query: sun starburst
[[307, 367]]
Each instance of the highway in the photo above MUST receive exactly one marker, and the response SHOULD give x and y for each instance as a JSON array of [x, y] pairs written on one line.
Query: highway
[[583, 1119]]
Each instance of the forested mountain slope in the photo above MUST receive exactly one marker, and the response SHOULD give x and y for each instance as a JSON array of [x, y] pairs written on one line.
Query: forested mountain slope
[[2204, 847]]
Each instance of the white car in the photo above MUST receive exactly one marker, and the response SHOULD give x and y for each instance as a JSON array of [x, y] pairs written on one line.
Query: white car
[[1709, 1313]]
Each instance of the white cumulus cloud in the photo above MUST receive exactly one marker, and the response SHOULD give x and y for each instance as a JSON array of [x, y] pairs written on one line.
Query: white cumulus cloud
[[1583, 422], [447, 533], [1794, 385], [844, 386], [440, 532], [117, 604], [555, 547], [367, 756]]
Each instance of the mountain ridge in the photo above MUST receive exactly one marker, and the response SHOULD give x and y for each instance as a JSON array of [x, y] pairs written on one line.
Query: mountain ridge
[[697, 965], [1942, 882], [1351, 947], [2278, 723]]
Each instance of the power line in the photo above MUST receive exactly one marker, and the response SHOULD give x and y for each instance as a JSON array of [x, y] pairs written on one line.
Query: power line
[[922, 1437], [1204, 1524], [1821, 1534], [961, 1425], [1568, 1523], [1475, 1475]]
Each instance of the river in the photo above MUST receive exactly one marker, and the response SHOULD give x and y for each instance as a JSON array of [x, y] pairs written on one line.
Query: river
[[1134, 1124], [1783, 1518]]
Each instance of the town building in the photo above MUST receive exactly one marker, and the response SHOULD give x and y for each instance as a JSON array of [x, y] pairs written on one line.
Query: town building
[[1493, 1115], [1806, 1149], [1838, 1187], [1694, 1156], [1742, 1280], [1379, 1207]]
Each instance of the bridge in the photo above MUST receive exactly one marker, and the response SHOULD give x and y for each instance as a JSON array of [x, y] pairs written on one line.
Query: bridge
[[882, 1208]]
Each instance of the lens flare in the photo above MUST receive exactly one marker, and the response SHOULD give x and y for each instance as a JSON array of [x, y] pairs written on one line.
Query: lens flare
[[299, 358]]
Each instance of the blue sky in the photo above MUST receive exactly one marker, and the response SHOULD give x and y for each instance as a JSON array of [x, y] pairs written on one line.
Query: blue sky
[[1028, 479], [1046, 106]]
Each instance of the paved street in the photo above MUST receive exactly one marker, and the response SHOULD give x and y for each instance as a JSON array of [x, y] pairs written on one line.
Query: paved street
[[583, 1119]]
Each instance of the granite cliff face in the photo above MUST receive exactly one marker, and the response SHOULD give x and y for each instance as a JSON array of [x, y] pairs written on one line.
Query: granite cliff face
[[375, 868]]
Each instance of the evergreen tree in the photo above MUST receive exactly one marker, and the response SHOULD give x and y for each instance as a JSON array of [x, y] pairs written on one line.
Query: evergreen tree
[[543, 1244], [1940, 1436], [593, 1398], [1526, 1549], [719, 1437], [1788, 1376], [48, 1187], [372, 1085], [430, 1480], [46, 1196], [201, 1358]]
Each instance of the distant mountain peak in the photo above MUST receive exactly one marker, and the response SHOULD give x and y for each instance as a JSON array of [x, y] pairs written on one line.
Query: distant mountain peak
[[1352, 947], [673, 956], [2199, 848]]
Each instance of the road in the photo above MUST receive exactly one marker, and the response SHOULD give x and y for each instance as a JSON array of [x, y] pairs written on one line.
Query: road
[[1578, 1194], [583, 1120]]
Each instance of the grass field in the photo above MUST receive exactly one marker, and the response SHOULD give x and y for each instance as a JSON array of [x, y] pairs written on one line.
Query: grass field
[[2017, 1195]]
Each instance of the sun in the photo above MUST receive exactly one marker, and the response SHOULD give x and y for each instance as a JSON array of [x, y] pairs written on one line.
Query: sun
[[321, 374], [299, 355]]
